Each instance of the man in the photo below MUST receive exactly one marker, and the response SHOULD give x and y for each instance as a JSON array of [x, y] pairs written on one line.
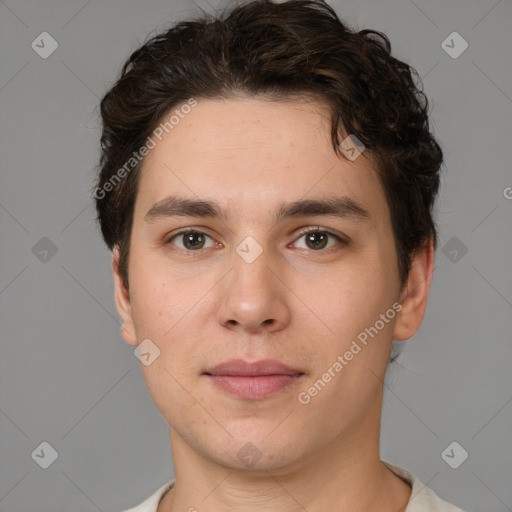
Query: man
[[266, 184]]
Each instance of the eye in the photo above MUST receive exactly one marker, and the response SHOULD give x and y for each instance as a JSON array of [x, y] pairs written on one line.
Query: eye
[[317, 239], [192, 240]]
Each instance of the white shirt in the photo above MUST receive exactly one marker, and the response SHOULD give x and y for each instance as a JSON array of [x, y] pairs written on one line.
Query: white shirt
[[423, 499]]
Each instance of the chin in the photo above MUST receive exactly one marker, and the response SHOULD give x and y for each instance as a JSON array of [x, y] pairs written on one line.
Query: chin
[[259, 453]]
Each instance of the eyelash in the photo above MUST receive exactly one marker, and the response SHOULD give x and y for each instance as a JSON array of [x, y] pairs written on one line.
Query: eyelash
[[341, 240]]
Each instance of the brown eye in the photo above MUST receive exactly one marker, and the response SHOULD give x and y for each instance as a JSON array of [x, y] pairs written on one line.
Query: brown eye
[[190, 239], [317, 240]]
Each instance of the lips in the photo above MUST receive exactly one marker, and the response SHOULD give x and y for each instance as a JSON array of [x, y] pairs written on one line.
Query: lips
[[239, 367], [252, 380]]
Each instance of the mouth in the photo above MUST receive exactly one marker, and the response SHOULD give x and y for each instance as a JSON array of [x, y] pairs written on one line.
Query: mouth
[[253, 381]]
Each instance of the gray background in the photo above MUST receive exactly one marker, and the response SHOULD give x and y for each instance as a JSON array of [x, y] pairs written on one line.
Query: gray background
[[66, 376]]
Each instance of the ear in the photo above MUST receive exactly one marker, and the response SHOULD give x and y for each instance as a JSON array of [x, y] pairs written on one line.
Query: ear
[[414, 294], [122, 300]]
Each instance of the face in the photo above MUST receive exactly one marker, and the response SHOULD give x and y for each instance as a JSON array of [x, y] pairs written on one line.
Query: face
[[295, 294]]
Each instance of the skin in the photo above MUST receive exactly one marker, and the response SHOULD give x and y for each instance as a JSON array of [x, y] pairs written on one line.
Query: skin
[[205, 306]]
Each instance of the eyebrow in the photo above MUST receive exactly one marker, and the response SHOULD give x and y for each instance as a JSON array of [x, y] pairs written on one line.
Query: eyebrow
[[343, 207]]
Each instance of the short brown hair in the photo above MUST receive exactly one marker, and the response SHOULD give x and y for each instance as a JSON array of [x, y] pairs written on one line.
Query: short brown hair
[[277, 50]]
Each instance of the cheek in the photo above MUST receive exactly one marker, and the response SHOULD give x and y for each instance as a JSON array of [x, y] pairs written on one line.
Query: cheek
[[165, 311], [171, 311], [346, 299], [161, 300]]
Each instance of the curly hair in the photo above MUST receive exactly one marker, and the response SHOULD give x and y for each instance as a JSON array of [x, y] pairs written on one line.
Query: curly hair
[[278, 51]]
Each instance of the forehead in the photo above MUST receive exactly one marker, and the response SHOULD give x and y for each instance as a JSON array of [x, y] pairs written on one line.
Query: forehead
[[252, 153]]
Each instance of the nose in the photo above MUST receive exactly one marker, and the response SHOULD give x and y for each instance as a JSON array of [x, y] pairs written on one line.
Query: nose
[[254, 296]]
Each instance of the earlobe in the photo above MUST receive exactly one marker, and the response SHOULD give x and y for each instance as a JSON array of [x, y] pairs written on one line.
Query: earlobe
[[414, 295], [122, 301]]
